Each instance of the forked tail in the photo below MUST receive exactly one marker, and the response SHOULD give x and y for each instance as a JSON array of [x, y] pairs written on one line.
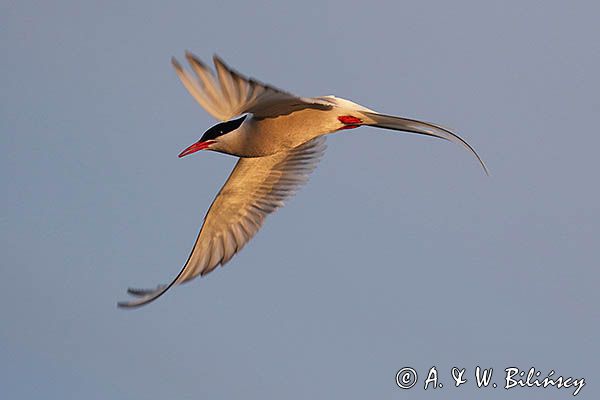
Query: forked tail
[[419, 127]]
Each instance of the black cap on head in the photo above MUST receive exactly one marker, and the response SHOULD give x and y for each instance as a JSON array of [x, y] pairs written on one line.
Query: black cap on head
[[222, 129]]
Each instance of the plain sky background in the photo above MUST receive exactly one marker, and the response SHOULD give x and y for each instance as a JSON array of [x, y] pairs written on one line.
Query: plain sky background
[[399, 251]]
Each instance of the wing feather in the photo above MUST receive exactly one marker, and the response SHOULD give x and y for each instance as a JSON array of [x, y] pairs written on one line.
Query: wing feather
[[206, 77], [255, 188], [230, 93]]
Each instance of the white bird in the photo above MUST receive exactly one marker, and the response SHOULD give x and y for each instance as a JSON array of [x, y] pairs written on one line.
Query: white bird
[[279, 139]]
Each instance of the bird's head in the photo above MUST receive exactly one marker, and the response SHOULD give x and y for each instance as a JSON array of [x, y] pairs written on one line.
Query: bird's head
[[212, 137]]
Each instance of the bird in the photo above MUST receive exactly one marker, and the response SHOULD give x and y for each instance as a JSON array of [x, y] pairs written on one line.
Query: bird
[[279, 138]]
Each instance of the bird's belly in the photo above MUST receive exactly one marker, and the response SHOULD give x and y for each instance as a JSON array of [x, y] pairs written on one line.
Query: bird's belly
[[263, 137]]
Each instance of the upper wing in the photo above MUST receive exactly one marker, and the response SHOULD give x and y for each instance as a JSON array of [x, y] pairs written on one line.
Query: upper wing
[[234, 94], [255, 188]]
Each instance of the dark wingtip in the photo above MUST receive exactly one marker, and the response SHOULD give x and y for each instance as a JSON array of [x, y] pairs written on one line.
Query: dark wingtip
[[218, 61], [127, 304], [191, 56], [140, 292], [175, 63], [145, 296], [136, 303]]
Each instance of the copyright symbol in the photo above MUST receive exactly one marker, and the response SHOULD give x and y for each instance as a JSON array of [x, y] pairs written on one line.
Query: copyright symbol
[[406, 378]]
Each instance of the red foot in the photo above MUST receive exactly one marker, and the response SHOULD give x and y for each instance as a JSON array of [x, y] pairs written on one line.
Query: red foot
[[349, 120]]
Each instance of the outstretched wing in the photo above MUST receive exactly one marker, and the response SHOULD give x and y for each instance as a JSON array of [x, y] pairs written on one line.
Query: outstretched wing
[[255, 188], [234, 94]]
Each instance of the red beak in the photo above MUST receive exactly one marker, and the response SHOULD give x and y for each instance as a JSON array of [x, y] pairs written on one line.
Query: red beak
[[196, 147]]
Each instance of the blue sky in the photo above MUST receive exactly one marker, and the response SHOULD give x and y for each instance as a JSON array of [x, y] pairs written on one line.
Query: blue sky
[[399, 251]]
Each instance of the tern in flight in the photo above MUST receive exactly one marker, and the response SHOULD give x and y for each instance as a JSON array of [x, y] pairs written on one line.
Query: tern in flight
[[279, 139]]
